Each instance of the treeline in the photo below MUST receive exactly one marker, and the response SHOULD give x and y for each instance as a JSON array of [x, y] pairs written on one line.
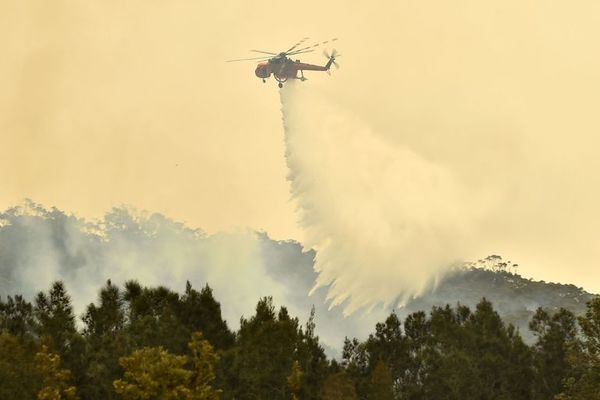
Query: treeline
[[152, 343]]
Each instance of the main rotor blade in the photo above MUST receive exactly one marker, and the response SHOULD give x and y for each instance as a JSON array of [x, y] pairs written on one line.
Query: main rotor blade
[[297, 44], [264, 52], [300, 52], [317, 44], [249, 59]]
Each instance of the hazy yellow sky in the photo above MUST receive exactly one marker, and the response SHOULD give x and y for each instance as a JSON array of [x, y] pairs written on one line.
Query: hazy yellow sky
[[108, 102]]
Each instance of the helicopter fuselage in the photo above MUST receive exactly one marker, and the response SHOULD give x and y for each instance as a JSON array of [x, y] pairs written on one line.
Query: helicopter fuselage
[[283, 68]]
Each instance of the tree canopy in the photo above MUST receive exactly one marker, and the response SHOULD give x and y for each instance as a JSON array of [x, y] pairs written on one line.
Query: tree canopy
[[141, 342]]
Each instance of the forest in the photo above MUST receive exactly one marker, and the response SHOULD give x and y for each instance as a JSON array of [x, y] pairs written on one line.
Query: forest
[[140, 342]]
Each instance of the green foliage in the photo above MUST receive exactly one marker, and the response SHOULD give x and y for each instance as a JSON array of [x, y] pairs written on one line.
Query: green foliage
[[156, 314], [267, 340], [16, 316], [204, 360], [590, 327], [355, 360], [107, 341], [381, 385], [107, 319], [154, 373], [390, 347], [275, 342], [311, 360], [339, 387], [153, 318], [199, 311], [18, 379], [295, 380], [584, 382], [557, 337], [144, 343], [55, 381], [55, 318], [453, 354], [55, 325]]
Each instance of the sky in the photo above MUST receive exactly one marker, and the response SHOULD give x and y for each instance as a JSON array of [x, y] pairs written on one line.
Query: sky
[[110, 103]]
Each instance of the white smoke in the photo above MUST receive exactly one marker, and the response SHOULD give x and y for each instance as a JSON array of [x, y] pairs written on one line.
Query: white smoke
[[39, 246], [385, 222]]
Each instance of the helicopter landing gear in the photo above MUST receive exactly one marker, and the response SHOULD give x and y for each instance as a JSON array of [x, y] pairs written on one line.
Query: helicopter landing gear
[[280, 85]]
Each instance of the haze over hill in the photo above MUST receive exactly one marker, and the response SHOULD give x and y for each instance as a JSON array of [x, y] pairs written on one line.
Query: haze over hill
[[111, 102], [39, 245]]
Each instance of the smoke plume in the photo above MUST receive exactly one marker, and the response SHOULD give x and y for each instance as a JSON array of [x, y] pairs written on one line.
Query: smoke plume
[[39, 245], [385, 223], [42, 245]]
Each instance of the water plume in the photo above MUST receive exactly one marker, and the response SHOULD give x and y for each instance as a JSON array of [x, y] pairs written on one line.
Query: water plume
[[384, 221]]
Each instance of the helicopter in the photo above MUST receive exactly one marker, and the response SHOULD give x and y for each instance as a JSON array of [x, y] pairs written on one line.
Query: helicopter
[[283, 67]]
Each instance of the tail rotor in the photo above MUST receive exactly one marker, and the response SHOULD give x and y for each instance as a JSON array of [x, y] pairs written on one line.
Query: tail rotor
[[331, 57]]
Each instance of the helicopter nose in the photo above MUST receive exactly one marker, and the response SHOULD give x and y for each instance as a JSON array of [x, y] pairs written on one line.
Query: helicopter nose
[[261, 72]]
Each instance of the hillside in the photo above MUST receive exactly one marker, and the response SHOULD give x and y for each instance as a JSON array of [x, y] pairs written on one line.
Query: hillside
[[40, 245], [514, 297]]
